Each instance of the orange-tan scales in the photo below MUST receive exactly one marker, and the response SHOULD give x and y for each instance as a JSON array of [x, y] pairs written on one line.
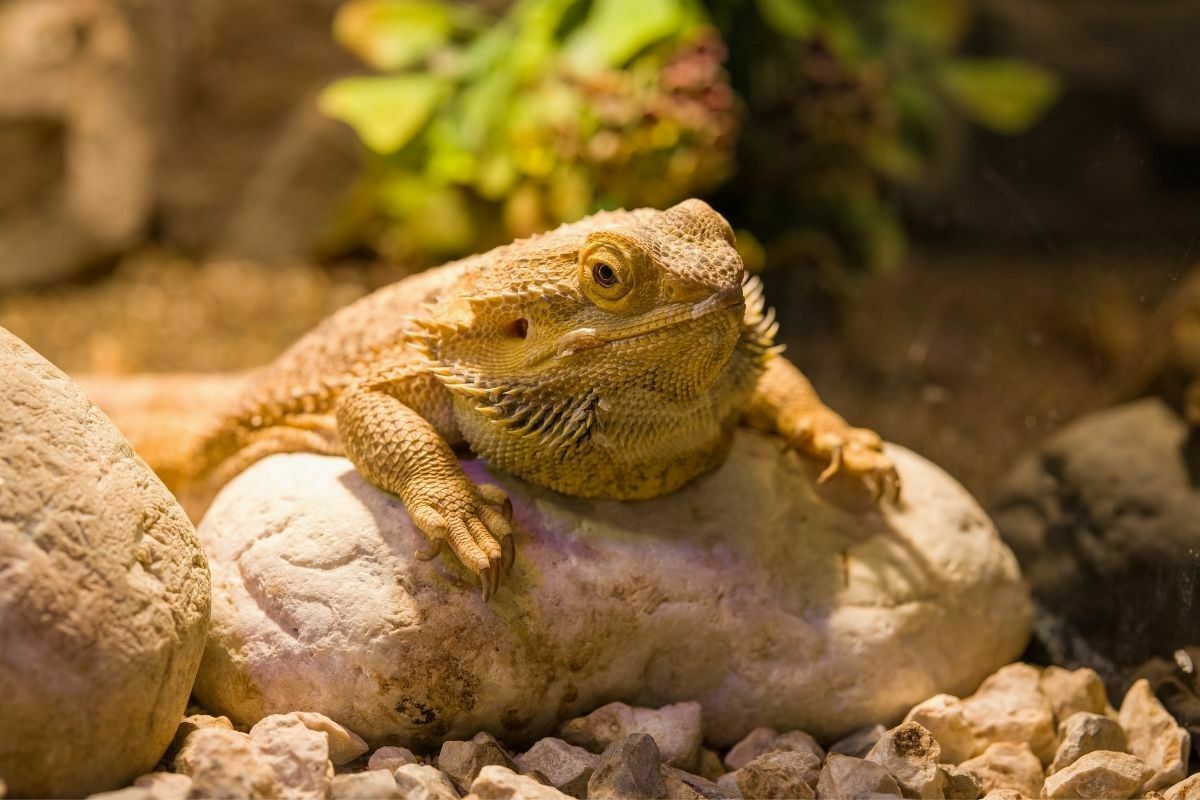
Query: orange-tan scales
[[613, 357]]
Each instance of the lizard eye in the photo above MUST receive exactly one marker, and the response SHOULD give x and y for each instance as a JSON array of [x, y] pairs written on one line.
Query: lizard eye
[[607, 273], [604, 275]]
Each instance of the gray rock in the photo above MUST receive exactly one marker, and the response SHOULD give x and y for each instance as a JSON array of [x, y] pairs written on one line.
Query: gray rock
[[421, 782], [104, 598], [1098, 774], [677, 729], [1109, 501], [224, 763], [849, 778], [375, 784], [462, 761], [701, 787], [628, 770], [780, 774], [567, 767], [728, 785], [391, 758], [1007, 766], [1154, 736], [752, 745], [959, 783], [911, 755], [500, 783], [1084, 733], [858, 743], [329, 637]]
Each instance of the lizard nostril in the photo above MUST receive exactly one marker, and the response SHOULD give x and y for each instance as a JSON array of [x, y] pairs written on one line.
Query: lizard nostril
[[519, 328]]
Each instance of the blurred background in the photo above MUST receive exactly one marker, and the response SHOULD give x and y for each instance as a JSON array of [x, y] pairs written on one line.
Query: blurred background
[[977, 219], [968, 213]]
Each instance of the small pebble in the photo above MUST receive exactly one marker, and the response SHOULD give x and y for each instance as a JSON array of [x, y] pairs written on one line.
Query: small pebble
[[1007, 765], [1009, 707], [376, 784], [858, 743], [422, 782], [1154, 736], [567, 767], [462, 761], [780, 774], [677, 730], [1084, 733], [391, 758], [752, 745], [1186, 789], [701, 787], [850, 777], [344, 744], [911, 755], [501, 783], [1072, 691], [1098, 774], [942, 715], [629, 769], [960, 784]]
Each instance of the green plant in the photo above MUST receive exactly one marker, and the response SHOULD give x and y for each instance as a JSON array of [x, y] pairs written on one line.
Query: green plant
[[847, 101], [482, 128]]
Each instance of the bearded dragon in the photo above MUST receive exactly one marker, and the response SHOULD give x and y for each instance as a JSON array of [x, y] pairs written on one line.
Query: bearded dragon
[[610, 358]]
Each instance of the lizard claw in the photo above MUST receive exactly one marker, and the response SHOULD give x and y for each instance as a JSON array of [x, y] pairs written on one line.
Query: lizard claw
[[472, 520], [429, 551], [857, 452]]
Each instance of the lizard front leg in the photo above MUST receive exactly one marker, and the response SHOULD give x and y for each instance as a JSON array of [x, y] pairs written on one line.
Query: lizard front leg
[[786, 404], [401, 451]]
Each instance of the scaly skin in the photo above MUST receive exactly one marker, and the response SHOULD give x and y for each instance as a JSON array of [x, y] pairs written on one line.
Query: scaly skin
[[613, 357]]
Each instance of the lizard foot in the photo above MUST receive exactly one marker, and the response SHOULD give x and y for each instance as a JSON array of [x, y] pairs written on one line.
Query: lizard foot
[[475, 522], [854, 451]]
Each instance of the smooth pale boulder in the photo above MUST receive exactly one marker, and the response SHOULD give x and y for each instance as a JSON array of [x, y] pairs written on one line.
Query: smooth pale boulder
[[104, 592], [753, 591]]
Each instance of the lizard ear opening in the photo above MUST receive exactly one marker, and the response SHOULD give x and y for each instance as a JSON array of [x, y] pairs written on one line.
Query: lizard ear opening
[[518, 328]]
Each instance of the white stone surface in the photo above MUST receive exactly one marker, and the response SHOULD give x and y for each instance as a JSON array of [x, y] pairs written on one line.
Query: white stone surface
[[767, 599]]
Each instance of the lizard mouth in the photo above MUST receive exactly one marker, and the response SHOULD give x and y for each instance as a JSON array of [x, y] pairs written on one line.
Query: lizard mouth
[[589, 338]]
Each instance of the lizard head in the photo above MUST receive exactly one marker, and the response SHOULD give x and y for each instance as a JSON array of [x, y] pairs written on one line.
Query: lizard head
[[644, 300], [657, 282]]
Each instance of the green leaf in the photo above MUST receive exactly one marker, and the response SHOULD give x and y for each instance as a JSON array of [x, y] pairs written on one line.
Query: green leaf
[[796, 18], [1002, 95], [936, 23], [385, 112], [392, 34], [617, 30]]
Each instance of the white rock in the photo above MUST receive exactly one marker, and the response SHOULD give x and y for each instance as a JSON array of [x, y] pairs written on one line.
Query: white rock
[[298, 755], [420, 782], [1010, 707], [1154, 736], [104, 594], [224, 763], [319, 603], [1101, 774], [391, 758], [911, 755], [501, 783], [942, 715], [344, 745], [1008, 766], [677, 730]]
